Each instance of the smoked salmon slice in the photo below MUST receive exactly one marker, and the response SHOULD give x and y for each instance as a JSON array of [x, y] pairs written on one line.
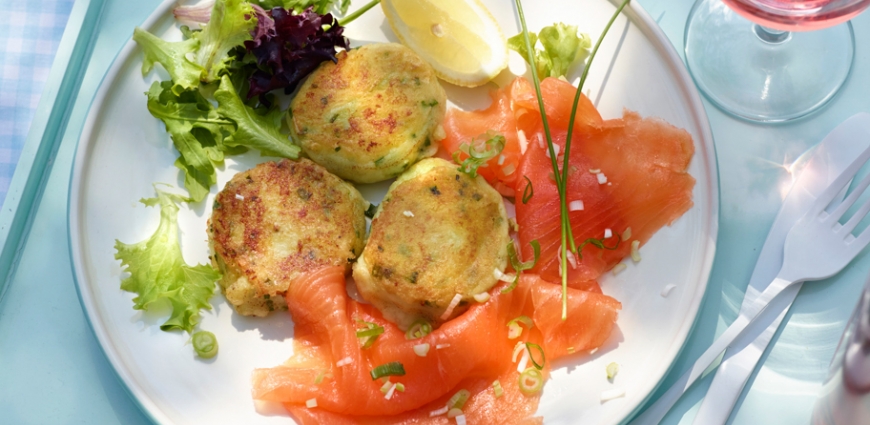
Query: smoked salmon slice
[[514, 108], [629, 173], [468, 352]]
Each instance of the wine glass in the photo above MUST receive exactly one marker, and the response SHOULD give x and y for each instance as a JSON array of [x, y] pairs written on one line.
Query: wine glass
[[787, 60]]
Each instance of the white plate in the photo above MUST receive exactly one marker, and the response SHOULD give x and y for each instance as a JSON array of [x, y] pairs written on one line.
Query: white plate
[[123, 150]]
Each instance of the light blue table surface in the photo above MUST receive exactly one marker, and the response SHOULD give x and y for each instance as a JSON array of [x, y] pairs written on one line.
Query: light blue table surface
[[52, 370]]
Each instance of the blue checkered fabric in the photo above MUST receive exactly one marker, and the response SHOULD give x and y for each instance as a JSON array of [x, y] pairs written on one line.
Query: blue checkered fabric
[[30, 31]]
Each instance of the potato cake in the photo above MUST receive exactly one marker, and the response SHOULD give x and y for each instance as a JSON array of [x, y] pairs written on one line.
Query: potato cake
[[277, 221], [438, 233], [370, 116]]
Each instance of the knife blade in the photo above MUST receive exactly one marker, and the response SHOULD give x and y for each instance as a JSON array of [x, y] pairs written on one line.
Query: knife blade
[[828, 160]]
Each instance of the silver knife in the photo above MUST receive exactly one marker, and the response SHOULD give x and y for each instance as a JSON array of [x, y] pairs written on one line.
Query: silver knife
[[828, 160]]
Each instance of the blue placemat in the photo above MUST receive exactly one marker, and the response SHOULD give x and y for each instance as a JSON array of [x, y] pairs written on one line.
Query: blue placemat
[[30, 32]]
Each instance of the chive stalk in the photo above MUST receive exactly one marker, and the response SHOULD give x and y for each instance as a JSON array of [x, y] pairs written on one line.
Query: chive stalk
[[561, 176], [350, 18]]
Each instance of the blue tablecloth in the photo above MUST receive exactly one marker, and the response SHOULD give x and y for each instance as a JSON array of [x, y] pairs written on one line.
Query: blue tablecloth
[[30, 32]]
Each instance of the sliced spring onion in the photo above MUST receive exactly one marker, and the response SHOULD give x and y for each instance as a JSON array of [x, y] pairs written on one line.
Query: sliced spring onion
[[482, 297], [504, 277], [369, 334], [440, 346], [635, 253], [439, 412], [531, 381], [509, 169], [576, 205], [480, 150], [514, 328], [386, 386], [418, 329], [205, 344], [594, 170], [496, 388], [344, 362], [520, 266], [530, 346], [521, 135], [421, 349], [529, 191], [457, 401], [517, 350], [400, 387], [612, 369], [524, 361], [598, 243], [627, 233], [572, 260], [372, 330], [311, 403], [453, 303], [454, 412], [323, 374], [390, 392], [388, 369], [617, 269]]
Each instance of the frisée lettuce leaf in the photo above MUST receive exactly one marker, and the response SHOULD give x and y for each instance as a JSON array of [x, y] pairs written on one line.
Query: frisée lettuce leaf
[[197, 131], [252, 129], [158, 271], [561, 46], [203, 133], [204, 56]]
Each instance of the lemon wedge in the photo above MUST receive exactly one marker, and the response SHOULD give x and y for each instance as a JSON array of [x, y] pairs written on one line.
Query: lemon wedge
[[459, 38]]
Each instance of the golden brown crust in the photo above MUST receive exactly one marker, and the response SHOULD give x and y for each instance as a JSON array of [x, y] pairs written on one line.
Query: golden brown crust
[[277, 221], [437, 233], [370, 116]]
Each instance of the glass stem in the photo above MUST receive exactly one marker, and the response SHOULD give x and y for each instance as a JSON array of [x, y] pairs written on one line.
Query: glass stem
[[770, 35]]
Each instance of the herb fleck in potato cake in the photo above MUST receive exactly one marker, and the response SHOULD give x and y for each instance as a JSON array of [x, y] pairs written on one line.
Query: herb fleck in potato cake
[[438, 233], [277, 221], [370, 116]]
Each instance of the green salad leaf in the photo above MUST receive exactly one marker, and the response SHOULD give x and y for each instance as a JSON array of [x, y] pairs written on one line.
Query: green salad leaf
[[253, 130], [320, 6], [173, 57], [561, 46], [197, 131], [158, 270], [206, 54], [230, 26]]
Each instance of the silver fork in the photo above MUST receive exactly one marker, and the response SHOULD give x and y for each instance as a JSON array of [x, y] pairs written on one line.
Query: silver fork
[[817, 247]]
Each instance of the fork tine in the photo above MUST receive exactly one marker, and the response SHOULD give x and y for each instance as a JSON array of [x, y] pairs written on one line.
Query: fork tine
[[849, 201], [859, 215], [860, 242], [831, 192]]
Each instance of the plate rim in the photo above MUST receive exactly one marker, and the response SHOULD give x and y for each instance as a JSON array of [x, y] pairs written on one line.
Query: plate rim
[[634, 12]]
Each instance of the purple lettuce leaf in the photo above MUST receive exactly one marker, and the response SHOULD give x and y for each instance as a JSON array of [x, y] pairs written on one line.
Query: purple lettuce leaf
[[291, 50]]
